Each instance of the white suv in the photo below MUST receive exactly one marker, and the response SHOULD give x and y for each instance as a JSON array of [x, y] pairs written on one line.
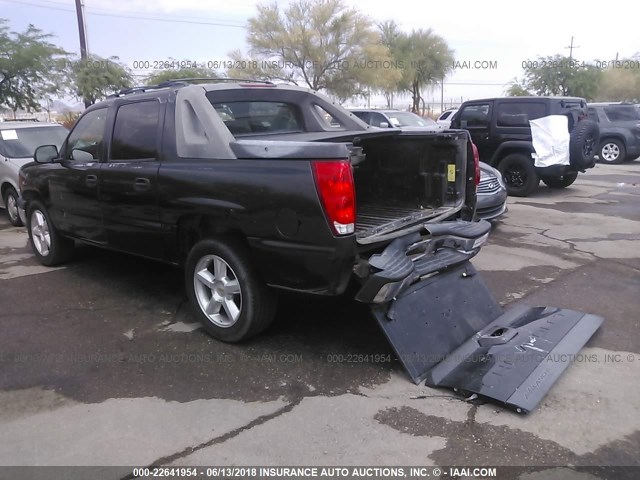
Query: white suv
[[18, 141]]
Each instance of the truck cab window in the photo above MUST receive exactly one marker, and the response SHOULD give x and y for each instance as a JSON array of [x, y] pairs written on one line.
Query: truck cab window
[[135, 134]]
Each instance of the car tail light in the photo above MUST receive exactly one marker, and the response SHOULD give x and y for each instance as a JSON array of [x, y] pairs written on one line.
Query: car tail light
[[476, 163], [334, 181]]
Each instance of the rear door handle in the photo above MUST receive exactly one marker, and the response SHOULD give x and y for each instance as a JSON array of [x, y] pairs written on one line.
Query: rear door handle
[[141, 184], [91, 180]]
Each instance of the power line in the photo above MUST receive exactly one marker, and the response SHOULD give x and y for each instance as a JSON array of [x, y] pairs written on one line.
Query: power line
[[129, 17]]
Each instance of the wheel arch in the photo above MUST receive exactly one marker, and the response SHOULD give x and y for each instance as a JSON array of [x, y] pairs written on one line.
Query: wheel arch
[[192, 228], [612, 136], [507, 148], [5, 185], [31, 195]]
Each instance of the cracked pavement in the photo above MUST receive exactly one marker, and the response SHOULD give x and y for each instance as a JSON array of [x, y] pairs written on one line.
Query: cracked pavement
[[101, 362]]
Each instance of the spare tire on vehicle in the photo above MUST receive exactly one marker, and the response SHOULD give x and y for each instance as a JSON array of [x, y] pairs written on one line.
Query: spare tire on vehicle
[[583, 144]]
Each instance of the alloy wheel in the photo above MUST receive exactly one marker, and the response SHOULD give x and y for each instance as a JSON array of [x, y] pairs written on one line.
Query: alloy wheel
[[40, 233], [217, 291], [610, 152], [12, 208]]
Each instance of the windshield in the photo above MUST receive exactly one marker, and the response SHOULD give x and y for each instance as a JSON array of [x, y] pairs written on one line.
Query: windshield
[[22, 142], [408, 119]]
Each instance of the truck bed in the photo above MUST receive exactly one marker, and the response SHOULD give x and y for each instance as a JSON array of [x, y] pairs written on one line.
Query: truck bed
[[371, 215]]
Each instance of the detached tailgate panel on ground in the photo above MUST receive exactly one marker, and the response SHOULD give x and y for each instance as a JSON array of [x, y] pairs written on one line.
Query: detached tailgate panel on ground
[[449, 330]]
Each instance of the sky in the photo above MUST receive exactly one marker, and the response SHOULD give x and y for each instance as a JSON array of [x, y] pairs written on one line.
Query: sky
[[491, 39]]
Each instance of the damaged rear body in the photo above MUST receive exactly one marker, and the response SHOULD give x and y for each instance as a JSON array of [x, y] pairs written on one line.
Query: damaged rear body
[[446, 327]]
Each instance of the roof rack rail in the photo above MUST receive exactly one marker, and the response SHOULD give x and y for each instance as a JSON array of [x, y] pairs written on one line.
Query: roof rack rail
[[186, 81], [181, 82], [139, 89]]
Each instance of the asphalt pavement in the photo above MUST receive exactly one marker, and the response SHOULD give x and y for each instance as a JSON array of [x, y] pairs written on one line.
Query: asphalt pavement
[[102, 363]]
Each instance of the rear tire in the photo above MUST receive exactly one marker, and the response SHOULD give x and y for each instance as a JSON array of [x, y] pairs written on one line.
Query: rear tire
[[612, 151], [225, 292], [519, 174], [49, 247], [583, 143], [11, 204], [560, 182]]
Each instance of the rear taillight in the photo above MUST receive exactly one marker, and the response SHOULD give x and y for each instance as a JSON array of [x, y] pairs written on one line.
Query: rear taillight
[[476, 163], [334, 181]]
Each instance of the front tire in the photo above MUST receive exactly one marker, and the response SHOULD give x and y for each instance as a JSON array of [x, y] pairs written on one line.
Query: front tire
[[11, 204], [519, 175], [612, 151], [560, 182], [48, 245], [226, 294]]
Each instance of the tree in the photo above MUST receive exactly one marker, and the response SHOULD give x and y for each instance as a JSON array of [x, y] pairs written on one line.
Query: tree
[[517, 89], [95, 77], [426, 59], [620, 84], [558, 75], [389, 35], [321, 44], [31, 68], [175, 74]]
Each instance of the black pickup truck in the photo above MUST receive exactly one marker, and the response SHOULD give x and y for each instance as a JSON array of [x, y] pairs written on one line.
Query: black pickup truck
[[253, 187]]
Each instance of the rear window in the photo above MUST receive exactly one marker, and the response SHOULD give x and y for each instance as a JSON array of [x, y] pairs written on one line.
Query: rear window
[[22, 142], [256, 117], [518, 114], [622, 113]]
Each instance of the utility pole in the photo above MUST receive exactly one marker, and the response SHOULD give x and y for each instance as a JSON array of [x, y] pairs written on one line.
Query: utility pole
[[82, 30], [442, 96], [571, 47]]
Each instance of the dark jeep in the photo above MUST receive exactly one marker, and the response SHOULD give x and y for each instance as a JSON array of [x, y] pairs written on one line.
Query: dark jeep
[[500, 129]]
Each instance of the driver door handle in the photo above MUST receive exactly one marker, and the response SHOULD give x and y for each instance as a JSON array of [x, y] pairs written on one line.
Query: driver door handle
[[141, 184], [91, 180]]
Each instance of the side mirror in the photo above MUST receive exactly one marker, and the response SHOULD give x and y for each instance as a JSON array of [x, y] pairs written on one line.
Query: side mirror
[[384, 125], [81, 155], [45, 153]]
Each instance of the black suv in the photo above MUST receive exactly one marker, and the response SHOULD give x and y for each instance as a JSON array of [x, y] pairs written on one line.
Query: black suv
[[619, 131], [500, 129]]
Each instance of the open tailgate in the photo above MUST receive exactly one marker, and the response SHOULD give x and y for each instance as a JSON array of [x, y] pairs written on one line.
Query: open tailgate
[[447, 329]]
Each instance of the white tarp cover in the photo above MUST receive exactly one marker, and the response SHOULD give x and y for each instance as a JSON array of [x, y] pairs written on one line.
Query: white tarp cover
[[550, 140]]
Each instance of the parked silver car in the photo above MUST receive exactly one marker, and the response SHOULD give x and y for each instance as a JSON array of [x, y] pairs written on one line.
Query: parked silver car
[[492, 193], [18, 141]]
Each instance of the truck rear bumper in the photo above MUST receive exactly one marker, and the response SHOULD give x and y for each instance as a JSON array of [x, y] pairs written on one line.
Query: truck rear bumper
[[416, 255]]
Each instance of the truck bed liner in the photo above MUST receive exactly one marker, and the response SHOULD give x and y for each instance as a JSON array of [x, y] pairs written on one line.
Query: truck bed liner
[[372, 215]]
